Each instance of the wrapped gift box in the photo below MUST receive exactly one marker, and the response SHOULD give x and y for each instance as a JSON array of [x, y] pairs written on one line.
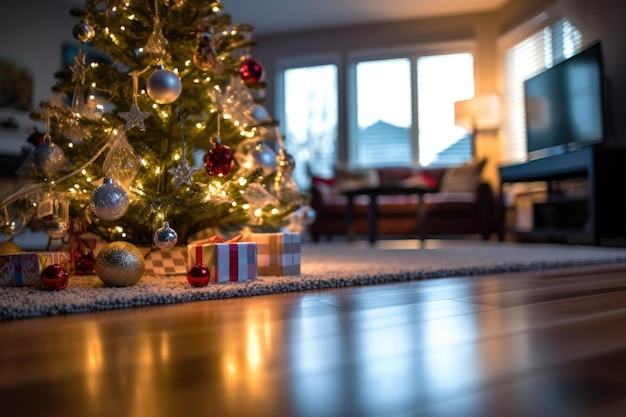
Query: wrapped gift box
[[24, 268], [227, 262], [279, 253]]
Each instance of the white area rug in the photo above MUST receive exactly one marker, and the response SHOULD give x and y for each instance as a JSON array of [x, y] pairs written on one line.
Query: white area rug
[[323, 266]]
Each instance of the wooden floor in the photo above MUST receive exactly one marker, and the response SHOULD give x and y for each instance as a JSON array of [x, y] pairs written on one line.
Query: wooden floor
[[530, 344]]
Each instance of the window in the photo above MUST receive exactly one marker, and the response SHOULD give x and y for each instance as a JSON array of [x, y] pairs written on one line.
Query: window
[[310, 120], [383, 97], [403, 110], [548, 45]]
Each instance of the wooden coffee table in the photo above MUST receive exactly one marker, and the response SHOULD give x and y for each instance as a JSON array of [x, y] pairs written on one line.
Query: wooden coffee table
[[372, 213]]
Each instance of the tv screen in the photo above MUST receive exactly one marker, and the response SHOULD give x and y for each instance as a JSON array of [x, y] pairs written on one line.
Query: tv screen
[[564, 105]]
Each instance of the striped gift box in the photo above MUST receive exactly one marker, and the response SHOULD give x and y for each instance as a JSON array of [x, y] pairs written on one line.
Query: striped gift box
[[24, 268], [279, 253], [227, 262]]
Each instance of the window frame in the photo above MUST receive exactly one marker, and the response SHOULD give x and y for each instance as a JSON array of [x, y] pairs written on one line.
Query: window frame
[[411, 52]]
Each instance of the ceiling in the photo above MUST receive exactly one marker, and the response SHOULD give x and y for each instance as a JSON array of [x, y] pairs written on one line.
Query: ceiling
[[279, 16]]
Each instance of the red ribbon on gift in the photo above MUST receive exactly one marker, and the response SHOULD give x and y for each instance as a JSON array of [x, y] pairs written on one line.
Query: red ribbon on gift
[[233, 258]]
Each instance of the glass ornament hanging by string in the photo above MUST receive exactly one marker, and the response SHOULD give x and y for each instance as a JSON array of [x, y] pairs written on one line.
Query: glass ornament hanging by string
[[164, 86], [83, 31], [165, 237], [219, 159], [122, 163], [134, 117], [48, 157], [109, 201], [251, 71], [157, 43]]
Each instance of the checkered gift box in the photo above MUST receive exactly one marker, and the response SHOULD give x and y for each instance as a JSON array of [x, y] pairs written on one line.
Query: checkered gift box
[[167, 262], [279, 253]]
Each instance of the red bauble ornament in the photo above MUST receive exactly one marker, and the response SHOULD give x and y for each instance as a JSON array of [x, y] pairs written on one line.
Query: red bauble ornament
[[198, 275], [219, 160], [54, 277], [251, 71]]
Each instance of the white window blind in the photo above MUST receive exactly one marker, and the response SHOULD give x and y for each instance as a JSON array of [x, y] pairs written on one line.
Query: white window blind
[[544, 48]]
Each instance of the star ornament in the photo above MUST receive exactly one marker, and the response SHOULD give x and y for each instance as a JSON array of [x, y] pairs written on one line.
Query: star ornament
[[134, 118], [183, 174]]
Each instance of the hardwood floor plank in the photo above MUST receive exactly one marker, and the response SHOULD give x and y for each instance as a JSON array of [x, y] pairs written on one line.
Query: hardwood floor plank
[[546, 343]]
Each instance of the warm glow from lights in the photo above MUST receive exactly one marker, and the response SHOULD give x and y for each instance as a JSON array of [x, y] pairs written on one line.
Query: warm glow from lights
[[140, 50], [234, 204], [119, 229], [77, 186], [175, 70], [106, 30], [123, 28], [258, 212], [274, 211], [207, 79], [157, 170], [196, 81], [187, 63], [176, 157], [199, 125], [131, 17], [242, 181], [93, 65], [70, 145], [154, 106], [227, 116], [143, 162]]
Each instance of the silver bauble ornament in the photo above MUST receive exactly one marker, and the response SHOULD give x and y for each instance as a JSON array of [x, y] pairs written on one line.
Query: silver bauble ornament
[[49, 158], [164, 86], [262, 156], [165, 237], [120, 264], [83, 31], [56, 228], [109, 201]]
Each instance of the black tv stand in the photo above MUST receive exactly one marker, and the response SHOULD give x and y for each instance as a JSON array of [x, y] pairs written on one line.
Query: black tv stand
[[597, 217]]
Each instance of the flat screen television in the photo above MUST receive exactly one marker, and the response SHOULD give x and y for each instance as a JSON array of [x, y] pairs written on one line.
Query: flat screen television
[[565, 105]]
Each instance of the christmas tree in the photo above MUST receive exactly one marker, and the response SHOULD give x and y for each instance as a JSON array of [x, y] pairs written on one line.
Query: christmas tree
[[154, 133]]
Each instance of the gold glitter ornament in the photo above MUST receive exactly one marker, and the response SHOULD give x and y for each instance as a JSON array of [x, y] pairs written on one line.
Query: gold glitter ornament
[[120, 264]]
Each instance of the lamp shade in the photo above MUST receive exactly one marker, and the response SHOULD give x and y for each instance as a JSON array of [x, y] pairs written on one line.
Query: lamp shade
[[480, 112]]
